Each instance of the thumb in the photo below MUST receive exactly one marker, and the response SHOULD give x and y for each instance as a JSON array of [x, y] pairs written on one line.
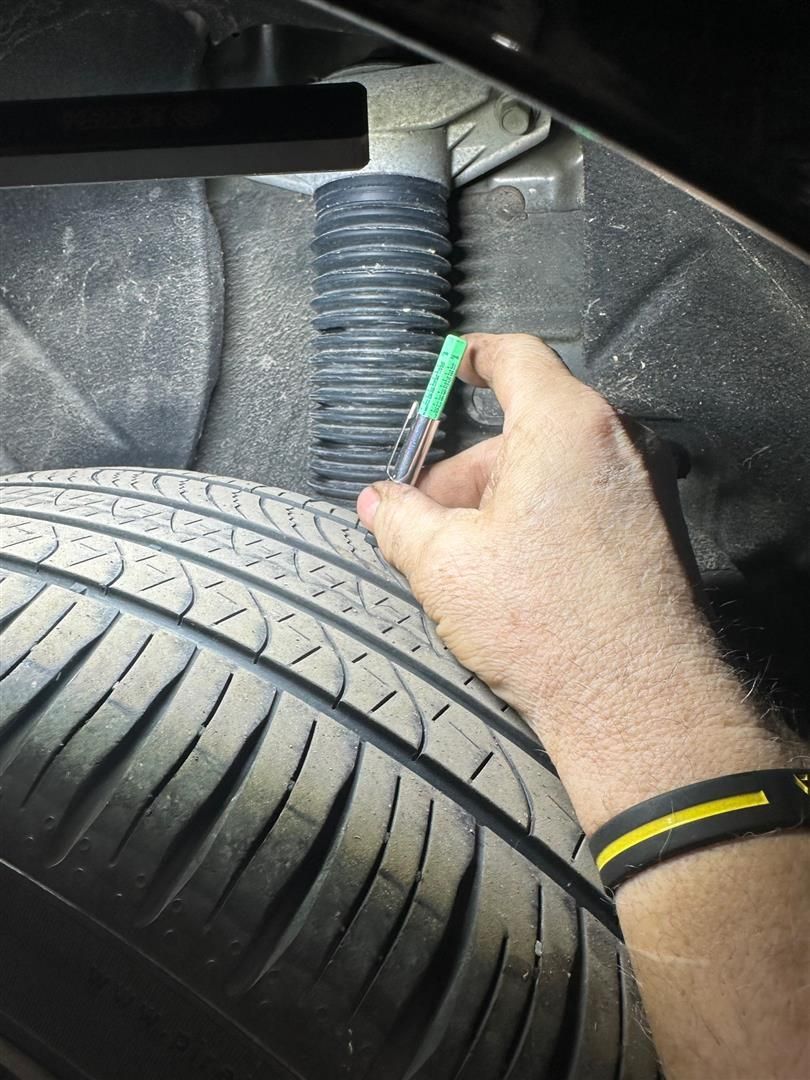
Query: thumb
[[404, 521]]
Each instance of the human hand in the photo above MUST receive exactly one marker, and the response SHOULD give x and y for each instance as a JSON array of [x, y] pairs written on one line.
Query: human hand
[[545, 560]]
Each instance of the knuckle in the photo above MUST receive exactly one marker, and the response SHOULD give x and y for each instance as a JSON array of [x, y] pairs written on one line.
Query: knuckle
[[615, 460], [511, 347], [596, 418], [528, 347], [528, 342]]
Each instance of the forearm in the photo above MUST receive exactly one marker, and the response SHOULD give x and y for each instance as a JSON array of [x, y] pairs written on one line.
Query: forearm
[[720, 942], [717, 937], [665, 717]]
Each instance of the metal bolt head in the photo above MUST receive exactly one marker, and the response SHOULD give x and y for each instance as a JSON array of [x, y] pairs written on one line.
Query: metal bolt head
[[508, 203], [515, 116]]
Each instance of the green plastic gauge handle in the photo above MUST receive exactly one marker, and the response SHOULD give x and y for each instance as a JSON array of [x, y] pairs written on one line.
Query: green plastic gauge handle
[[443, 377]]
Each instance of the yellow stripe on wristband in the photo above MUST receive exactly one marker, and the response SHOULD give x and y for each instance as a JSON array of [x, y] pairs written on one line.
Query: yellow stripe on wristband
[[676, 819]]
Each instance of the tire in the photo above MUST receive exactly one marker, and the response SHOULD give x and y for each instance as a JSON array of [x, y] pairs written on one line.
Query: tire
[[255, 821]]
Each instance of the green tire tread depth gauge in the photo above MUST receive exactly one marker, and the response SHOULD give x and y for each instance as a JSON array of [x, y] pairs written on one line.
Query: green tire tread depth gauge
[[443, 377]]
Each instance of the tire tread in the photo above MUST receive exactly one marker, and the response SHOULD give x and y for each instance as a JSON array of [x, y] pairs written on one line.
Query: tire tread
[[230, 724]]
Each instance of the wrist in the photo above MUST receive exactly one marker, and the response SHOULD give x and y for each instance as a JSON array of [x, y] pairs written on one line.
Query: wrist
[[676, 716]]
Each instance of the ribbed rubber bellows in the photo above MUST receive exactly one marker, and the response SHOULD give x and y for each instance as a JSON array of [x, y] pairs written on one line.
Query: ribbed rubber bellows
[[381, 263]]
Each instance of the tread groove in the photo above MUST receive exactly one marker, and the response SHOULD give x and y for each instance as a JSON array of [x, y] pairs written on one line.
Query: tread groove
[[488, 1004], [8, 619], [396, 930], [578, 846], [530, 815], [190, 846], [423, 1021], [92, 794], [344, 674], [25, 716], [566, 1048], [420, 746], [80, 723], [38, 641], [365, 889], [266, 829], [524, 1025], [287, 912], [622, 1015], [265, 641], [170, 773]]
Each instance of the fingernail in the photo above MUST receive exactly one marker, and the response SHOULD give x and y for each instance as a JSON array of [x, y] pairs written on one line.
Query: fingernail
[[367, 502]]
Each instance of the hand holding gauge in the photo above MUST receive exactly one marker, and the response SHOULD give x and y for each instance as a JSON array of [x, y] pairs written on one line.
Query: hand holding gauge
[[550, 560]]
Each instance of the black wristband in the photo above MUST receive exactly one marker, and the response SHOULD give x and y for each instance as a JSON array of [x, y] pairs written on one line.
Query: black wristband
[[708, 812]]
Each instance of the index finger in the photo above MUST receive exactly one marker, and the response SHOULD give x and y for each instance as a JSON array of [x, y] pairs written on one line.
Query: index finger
[[518, 367]]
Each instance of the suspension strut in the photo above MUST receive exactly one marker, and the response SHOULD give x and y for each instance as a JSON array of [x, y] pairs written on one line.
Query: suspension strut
[[381, 263], [381, 257]]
